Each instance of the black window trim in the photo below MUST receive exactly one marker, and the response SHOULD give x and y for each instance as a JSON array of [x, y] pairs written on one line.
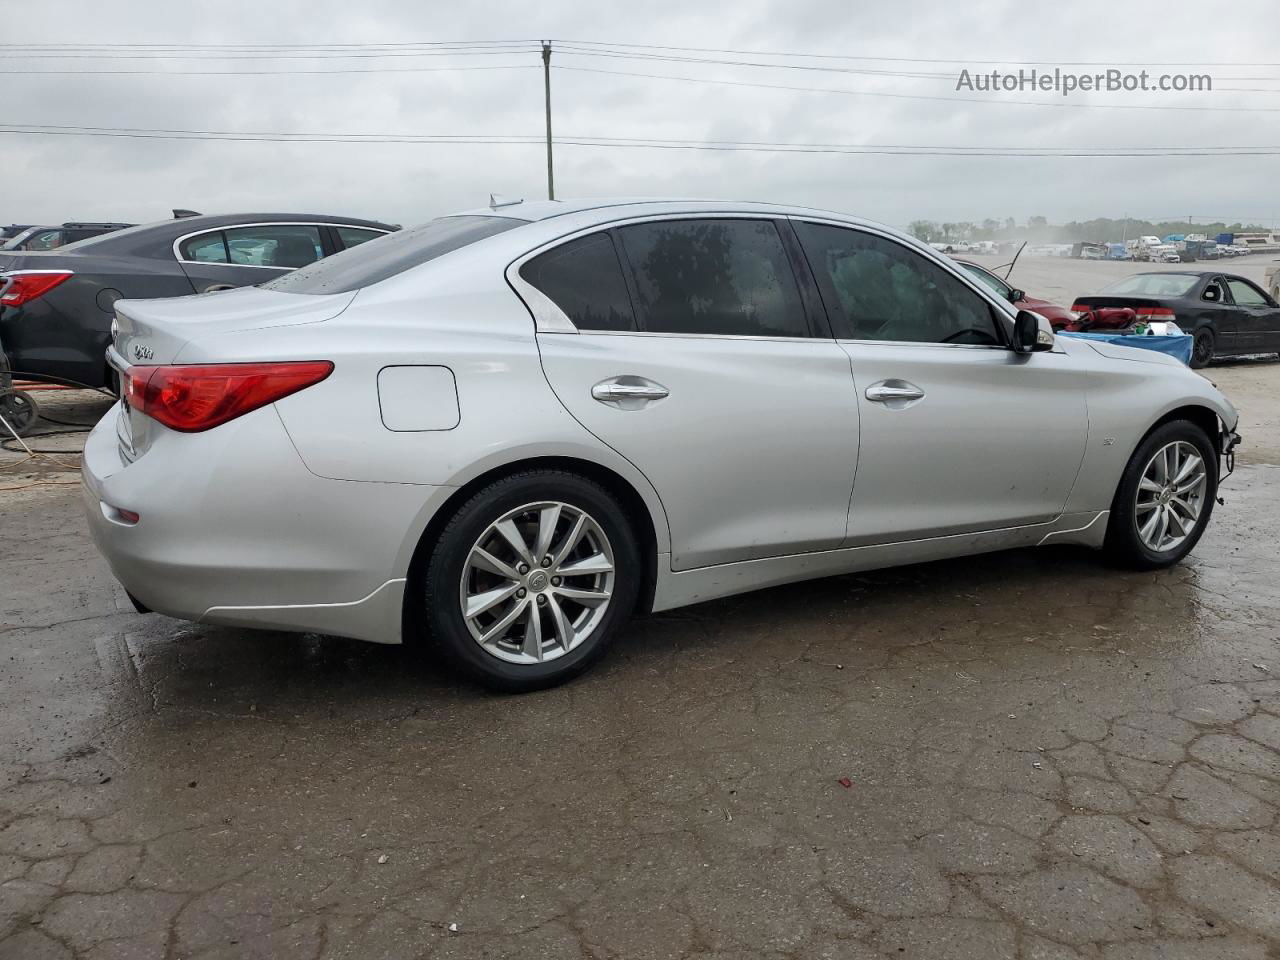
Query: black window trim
[[1002, 313]]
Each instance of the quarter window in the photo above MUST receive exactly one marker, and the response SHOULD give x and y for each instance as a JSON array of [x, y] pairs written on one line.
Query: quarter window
[[206, 248], [877, 289], [584, 279], [727, 277], [287, 245]]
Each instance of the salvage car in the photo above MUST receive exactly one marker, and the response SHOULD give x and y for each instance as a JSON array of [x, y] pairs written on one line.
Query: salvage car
[[510, 429], [1058, 316], [1228, 315], [56, 306]]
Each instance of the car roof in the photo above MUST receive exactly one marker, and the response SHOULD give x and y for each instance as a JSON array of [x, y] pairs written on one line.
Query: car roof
[[608, 207]]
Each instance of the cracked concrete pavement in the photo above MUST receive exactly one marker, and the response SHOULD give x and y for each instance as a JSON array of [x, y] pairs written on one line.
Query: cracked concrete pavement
[[1045, 759]]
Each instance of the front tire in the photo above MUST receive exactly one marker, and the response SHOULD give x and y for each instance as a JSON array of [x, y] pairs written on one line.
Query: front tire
[[1202, 348], [531, 579], [1165, 497]]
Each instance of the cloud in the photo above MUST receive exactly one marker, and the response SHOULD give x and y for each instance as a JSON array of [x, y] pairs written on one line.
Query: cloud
[[97, 178]]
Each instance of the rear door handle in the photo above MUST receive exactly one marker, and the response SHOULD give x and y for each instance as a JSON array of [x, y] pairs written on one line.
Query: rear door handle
[[628, 392], [888, 391]]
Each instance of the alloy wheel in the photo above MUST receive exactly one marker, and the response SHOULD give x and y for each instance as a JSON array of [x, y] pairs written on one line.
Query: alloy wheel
[[1170, 496], [537, 583]]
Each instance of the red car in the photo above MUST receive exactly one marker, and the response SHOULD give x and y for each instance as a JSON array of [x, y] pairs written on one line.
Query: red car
[[1057, 316]]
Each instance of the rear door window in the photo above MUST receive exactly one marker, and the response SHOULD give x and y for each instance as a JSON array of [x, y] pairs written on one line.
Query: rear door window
[[288, 245], [584, 279], [724, 277]]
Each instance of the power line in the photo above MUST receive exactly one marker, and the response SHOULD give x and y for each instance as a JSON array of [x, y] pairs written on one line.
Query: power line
[[263, 73], [959, 60], [920, 96], [635, 142], [738, 51]]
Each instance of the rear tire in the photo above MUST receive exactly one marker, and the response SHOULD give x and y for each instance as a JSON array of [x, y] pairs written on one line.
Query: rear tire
[[1161, 510], [558, 553], [1202, 348]]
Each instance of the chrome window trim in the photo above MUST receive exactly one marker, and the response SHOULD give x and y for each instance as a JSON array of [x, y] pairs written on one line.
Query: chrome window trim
[[177, 255], [549, 318]]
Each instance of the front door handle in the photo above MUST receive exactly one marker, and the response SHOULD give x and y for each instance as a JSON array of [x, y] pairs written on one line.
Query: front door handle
[[894, 392], [628, 392]]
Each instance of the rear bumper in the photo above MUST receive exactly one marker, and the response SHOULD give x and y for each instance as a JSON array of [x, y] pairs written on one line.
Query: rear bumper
[[234, 530]]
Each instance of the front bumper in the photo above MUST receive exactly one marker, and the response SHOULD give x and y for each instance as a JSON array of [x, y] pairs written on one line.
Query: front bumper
[[233, 529]]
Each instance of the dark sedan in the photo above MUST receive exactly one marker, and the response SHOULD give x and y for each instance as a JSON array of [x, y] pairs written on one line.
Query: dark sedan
[[1228, 315], [56, 307]]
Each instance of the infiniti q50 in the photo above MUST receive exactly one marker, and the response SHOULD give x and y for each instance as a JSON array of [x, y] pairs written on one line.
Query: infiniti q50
[[504, 432]]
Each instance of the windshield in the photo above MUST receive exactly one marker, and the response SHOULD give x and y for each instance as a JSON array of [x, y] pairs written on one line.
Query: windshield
[[387, 256], [1155, 285]]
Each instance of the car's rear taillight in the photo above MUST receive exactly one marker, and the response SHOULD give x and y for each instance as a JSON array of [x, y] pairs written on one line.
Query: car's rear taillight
[[1078, 310], [23, 286], [1151, 314], [191, 397]]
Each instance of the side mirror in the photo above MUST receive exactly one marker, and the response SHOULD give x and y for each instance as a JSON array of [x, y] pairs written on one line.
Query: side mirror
[[1031, 333], [1015, 295]]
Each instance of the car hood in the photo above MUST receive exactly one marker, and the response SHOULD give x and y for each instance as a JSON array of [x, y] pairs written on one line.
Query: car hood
[[155, 331]]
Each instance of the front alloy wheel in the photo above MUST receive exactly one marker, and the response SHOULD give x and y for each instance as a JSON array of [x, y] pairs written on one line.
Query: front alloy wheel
[[1170, 496], [1165, 497]]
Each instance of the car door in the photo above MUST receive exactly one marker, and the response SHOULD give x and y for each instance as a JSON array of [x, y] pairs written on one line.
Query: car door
[[686, 345], [1256, 315], [1210, 305], [245, 254], [957, 434]]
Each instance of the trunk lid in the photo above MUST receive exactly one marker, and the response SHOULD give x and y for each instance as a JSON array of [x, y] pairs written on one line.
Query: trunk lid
[[154, 332]]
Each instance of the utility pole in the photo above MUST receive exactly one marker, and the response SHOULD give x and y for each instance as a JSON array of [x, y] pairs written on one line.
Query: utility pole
[[546, 83]]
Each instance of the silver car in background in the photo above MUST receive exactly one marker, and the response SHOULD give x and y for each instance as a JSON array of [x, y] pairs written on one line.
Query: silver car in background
[[510, 429]]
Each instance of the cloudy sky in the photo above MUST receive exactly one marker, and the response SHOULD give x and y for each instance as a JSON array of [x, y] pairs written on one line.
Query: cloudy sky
[[902, 50]]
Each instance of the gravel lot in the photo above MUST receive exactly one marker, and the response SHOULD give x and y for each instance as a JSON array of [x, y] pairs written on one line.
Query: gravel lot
[[1024, 755]]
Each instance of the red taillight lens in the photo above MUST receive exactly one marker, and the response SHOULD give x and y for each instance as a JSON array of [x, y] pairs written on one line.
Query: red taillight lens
[[1150, 314], [197, 396], [26, 285], [1078, 310]]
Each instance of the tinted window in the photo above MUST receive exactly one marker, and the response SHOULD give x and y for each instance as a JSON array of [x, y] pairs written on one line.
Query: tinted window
[[1245, 295], [584, 279], [354, 236], [44, 240], [387, 256], [206, 248], [714, 276], [877, 289], [288, 245]]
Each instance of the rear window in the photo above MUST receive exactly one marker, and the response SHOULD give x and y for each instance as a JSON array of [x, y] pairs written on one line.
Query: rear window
[[387, 256], [1154, 285]]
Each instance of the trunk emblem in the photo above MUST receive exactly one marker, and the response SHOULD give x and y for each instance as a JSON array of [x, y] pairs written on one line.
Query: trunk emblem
[[142, 352]]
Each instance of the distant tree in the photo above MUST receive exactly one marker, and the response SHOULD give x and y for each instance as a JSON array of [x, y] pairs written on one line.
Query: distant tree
[[924, 230]]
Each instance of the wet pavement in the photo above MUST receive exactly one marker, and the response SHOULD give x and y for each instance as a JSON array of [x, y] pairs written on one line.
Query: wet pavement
[[1021, 755]]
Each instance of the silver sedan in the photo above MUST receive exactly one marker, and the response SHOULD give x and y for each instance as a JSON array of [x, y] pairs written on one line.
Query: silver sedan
[[510, 429]]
